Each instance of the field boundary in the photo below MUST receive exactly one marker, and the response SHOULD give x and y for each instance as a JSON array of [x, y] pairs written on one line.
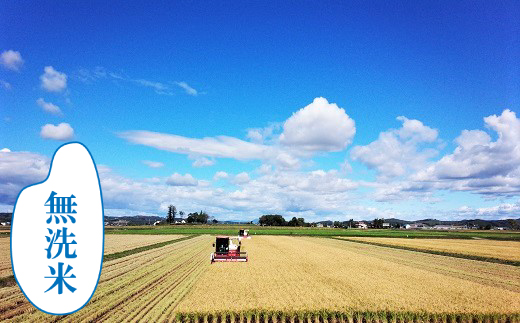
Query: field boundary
[[129, 252], [9, 281], [345, 316], [305, 231], [435, 252]]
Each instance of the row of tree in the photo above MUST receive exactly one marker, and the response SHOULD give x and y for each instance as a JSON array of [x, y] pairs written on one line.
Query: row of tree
[[278, 220], [195, 217]]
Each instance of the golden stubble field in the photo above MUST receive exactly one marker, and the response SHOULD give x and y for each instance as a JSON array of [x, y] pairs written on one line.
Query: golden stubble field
[[289, 276], [144, 286], [305, 273], [507, 250], [113, 244]]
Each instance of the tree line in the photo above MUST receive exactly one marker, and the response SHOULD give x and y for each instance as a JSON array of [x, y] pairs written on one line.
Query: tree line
[[195, 217]]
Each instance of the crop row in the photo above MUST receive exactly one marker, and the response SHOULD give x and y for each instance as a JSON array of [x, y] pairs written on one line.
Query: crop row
[[507, 252], [306, 274], [143, 286], [346, 316]]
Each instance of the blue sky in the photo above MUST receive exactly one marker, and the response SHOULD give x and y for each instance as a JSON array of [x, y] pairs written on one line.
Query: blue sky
[[99, 72]]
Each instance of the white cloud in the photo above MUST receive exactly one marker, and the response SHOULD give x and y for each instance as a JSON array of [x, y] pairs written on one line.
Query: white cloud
[[188, 89], [320, 126], [221, 146], [152, 164], [49, 107], [52, 80], [181, 180], [63, 131], [203, 162], [315, 136], [505, 210], [11, 60], [479, 164], [159, 87], [241, 178], [396, 151], [262, 135], [220, 175], [497, 212], [6, 85], [89, 76], [19, 169]]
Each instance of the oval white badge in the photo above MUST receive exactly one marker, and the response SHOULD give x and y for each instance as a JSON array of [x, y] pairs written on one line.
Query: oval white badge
[[57, 234]]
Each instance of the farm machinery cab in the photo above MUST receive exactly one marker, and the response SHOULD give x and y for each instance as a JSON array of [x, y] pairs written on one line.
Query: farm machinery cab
[[228, 249], [243, 234]]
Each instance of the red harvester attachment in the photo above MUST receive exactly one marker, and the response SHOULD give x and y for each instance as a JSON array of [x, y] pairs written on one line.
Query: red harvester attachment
[[227, 250]]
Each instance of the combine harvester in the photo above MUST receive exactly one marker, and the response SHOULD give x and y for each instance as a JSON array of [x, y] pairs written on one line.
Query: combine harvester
[[228, 249], [243, 234]]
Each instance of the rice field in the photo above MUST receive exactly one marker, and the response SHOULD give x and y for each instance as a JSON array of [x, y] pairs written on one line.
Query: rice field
[[506, 250], [291, 279], [5, 258], [146, 286], [113, 244], [117, 243], [295, 277]]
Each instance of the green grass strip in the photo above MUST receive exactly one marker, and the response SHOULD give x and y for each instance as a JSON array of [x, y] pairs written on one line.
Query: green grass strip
[[125, 253], [436, 252], [232, 230]]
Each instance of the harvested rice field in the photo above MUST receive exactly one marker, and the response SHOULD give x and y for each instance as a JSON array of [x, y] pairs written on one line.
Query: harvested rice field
[[145, 286], [118, 242], [506, 250], [289, 274], [113, 243], [5, 258], [291, 279]]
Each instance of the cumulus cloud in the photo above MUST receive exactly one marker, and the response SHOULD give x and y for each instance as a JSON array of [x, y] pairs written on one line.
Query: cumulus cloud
[[396, 151], [6, 85], [63, 131], [187, 88], [11, 60], [49, 107], [320, 126], [52, 80], [480, 164], [5, 150], [241, 178], [181, 180], [152, 164]]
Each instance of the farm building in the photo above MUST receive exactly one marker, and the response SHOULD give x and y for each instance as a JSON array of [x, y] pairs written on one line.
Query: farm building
[[361, 225], [416, 226], [449, 227], [119, 223]]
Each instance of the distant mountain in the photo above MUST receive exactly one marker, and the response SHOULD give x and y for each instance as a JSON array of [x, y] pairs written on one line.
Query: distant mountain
[[145, 220]]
